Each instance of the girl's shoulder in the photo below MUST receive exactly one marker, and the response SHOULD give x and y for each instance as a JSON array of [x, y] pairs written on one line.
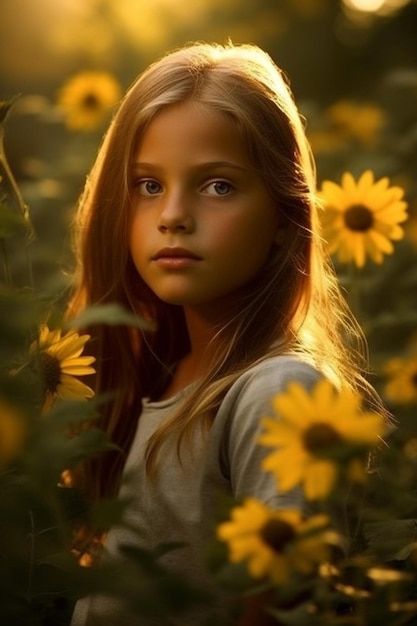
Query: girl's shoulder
[[255, 388], [248, 401], [275, 373]]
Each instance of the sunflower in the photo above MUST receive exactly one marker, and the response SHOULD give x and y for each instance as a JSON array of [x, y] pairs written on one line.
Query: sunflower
[[86, 99], [401, 386], [60, 361], [308, 432], [275, 543], [360, 218], [360, 121]]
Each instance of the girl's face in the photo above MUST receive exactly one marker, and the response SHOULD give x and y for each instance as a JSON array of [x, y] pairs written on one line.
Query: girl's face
[[202, 221]]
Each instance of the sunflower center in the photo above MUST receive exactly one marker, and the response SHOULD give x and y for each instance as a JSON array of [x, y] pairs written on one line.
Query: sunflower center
[[358, 218], [51, 371], [276, 534], [320, 436], [90, 101]]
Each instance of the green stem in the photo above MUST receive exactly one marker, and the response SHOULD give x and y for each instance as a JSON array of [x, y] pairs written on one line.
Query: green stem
[[24, 209], [13, 184]]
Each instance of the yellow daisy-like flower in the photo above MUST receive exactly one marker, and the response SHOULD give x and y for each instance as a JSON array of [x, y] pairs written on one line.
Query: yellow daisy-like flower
[[60, 362], [361, 121], [86, 99], [308, 431], [401, 386], [275, 543], [362, 218]]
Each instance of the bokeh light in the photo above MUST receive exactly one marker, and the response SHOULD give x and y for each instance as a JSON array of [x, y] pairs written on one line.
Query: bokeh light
[[381, 7]]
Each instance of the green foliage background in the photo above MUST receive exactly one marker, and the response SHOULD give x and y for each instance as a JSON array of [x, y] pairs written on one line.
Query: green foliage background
[[331, 55]]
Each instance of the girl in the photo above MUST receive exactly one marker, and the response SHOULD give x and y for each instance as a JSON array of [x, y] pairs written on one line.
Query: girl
[[200, 217]]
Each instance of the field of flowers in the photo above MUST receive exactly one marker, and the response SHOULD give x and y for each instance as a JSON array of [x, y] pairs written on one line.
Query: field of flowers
[[354, 561]]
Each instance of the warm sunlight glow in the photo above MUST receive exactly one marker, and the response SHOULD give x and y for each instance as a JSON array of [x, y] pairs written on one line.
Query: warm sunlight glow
[[382, 7], [365, 5], [48, 39], [147, 24]]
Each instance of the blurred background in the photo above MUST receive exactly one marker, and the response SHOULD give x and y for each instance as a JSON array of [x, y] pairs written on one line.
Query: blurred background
[[352, 65]]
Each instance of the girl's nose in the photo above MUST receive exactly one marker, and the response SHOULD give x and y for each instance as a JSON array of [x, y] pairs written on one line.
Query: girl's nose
[[176, 215]]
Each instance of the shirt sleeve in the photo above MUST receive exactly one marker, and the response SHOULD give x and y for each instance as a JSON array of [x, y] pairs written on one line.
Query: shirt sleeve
[[251, 402]]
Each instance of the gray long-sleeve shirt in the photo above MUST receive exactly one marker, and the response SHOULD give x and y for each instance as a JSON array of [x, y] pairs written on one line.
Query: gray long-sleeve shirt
[[183, 503]]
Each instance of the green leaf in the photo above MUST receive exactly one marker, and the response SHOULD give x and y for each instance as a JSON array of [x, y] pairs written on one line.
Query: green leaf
[[112, 314], [391, 540], [71, 411]]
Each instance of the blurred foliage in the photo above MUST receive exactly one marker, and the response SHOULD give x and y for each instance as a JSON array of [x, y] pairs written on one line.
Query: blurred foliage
[[354, 76]]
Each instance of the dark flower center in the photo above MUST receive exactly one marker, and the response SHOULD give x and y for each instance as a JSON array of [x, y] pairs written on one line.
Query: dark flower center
[[90, 101], [276, 534], [358, 218], [51, 372], [320, 436]]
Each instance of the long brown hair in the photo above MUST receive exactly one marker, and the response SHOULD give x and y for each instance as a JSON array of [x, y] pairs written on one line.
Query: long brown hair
[[293, 305]]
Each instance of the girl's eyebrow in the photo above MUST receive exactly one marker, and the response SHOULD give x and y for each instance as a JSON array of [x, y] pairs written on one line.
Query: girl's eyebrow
[[209, 165]]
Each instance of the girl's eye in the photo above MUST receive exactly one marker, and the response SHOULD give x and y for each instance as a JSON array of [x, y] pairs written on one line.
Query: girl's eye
[[218, 188], [148, 187]]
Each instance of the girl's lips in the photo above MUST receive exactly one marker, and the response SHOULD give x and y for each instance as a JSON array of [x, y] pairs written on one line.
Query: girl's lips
[[175, 258], [176, 262], [170, 253]]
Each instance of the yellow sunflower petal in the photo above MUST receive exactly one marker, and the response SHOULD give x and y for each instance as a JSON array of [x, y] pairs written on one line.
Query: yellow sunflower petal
[[72, 388], [324, 396], [333, 195], [293, 516], [380, 242], [287, 465], [365, 181], [320, 479], [374, 252], [295, 405], [78, 360], [279, 570], [397, 233], [359, 251], [71, 345], [48, 337], [393, 212], [368, 429], [243, 546], [77, 370], [346, 404], [378, 188], [261, 562], [348, 184]]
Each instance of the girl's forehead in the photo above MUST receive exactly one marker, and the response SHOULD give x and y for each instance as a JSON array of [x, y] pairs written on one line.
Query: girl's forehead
[[189, 119], [189, 136]]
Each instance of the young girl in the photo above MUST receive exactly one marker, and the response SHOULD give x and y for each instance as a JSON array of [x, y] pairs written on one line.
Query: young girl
[[200, 217]]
